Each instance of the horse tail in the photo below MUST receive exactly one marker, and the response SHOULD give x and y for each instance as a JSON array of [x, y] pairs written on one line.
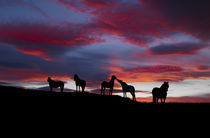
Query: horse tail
[[102, 88], [84, 85], [134, 95], [62, 86]]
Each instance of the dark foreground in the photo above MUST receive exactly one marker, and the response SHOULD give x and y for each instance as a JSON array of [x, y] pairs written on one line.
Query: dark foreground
[[73, 97]]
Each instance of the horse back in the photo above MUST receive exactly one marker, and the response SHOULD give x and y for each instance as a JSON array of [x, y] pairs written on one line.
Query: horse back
[[155, 91], [130, 88], [56, 84], [83, 83], [106, 84]]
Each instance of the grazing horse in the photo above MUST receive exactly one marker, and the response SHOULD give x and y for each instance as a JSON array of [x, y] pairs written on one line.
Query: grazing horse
[[127, 88], [160, 93], [109, 84], [55, 84], [79, 83]]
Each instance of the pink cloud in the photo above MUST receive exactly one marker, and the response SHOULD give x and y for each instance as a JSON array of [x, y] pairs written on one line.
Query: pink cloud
[[46, 40]]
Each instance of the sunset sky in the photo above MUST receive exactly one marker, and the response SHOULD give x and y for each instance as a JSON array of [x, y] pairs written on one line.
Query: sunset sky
[[142, 42]]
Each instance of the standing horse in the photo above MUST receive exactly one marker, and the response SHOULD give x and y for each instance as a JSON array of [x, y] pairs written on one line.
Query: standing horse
[[55, 84], [109, 84], [127, 88], [160, 93], [79, 83]]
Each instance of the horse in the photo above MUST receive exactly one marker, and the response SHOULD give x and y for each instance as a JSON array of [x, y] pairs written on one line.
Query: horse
[[127, 88], [79, 83], [55, 84], [160, 93], [109, 84]]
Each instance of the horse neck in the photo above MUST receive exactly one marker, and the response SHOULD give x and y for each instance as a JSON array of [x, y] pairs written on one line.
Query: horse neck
[[111, 81], [124, 84], [77, 79], [50, 81]]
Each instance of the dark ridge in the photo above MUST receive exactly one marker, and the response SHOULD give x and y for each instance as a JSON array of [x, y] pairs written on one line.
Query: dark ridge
[[72, 97], [76, 97]]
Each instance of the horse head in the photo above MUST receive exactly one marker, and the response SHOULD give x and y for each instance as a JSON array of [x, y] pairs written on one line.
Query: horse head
[[114, 77], [120, 81], [76, 77], [49, 79], [165, 86]]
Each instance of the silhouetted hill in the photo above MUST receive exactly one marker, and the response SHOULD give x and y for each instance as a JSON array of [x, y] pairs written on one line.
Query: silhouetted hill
[[72, 97]]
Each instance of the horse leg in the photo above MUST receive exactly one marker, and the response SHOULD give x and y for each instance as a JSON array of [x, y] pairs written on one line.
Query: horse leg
[[83, 89], [111, 90], [51, 89], [79, 88], [161, 100], [157, 100], [61, 89], [123, 93], [154, 99], [134, 97], [102, 90]]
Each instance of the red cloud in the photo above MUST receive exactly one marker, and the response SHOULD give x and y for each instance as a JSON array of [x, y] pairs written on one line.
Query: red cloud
[[148, 73], [156, 69], [189, 16], [134, 23], [99, 4], [158, 73], [140, 23], [45, 40]]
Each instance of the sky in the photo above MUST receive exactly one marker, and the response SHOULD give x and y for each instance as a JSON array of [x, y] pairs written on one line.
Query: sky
[[142, 42]]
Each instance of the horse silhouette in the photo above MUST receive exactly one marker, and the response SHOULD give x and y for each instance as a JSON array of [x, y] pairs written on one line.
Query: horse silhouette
[[160, 93], [109, 84], [79, 83], [127, 88], [55, 84]]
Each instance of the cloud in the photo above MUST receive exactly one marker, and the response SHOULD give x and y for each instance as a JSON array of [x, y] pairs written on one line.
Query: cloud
[[158, 73], [46, 41], [99, 4], [22, 3], [148, 73], [192, 16], [140, 21], [178, 49], [156, 69], [127, 19], [203, 68]]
